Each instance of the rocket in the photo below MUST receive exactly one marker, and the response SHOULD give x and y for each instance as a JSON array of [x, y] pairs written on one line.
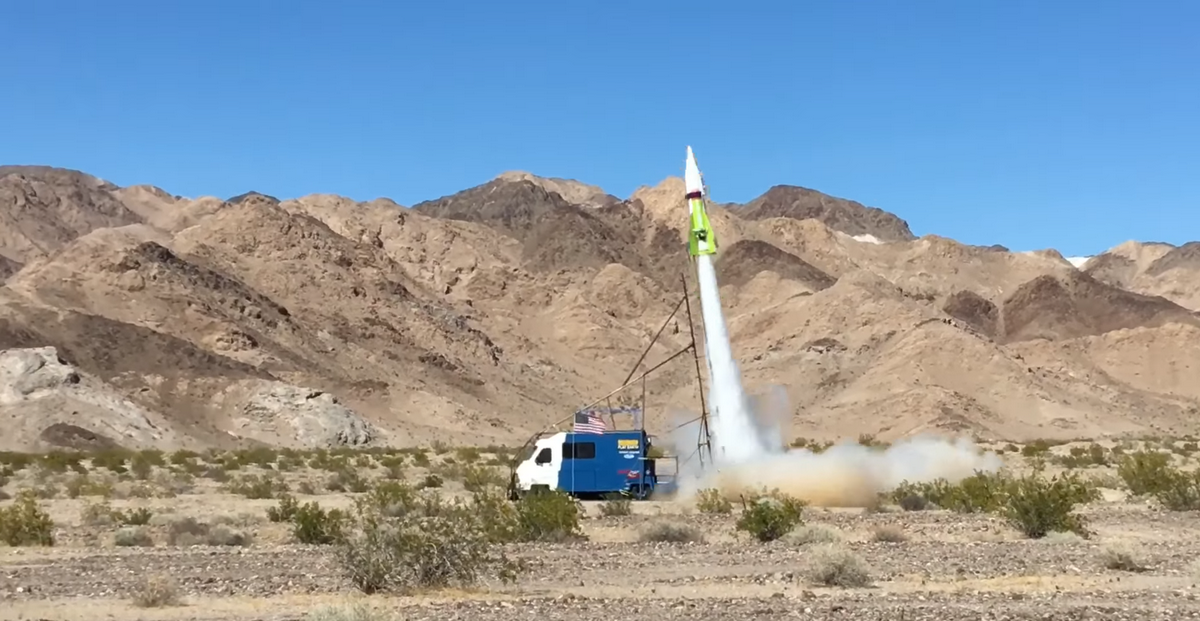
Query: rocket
[[701, 239]]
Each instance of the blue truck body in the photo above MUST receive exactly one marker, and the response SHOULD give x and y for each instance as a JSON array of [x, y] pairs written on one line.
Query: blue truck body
[[593, 465]]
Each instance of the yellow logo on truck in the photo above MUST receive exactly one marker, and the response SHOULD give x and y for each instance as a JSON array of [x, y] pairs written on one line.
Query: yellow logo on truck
[[628, 444]]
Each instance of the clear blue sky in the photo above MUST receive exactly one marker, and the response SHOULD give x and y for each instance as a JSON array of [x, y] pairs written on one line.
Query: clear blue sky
[[1070, 124]]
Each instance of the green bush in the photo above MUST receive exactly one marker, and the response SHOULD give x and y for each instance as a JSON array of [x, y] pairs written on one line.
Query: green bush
[[548, 516], [1144, 472], [978, 493], [134, 517], [616, 505], [1037, 506], [712, 501], [347, 480], [25, 523], [447, 544], [313, 525], [1178, 491], [285, 510], [770, 517], [256, 487], [475, 478]]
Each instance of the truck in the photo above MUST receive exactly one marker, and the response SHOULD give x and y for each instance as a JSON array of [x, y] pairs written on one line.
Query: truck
[[592, 465]]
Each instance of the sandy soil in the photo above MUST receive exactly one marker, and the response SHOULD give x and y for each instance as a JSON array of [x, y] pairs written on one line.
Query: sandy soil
[[947, 566]]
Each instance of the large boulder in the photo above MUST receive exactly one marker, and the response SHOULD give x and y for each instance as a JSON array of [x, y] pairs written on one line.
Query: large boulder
[[283, 414]]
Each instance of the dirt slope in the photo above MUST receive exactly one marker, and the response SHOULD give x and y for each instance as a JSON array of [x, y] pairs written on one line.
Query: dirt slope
[[843, 215], [43, 208], [489, 314], [1152, 269]]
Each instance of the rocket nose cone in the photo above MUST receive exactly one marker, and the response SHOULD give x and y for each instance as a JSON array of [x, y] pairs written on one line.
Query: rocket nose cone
[[691, 176]]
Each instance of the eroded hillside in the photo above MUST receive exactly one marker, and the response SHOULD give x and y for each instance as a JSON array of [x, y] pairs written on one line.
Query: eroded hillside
[[137, 317]]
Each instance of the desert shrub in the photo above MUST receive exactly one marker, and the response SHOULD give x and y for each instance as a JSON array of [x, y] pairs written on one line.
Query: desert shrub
[[616, 505], [1144, 472], [347, 480], [392, 498], [1036, 448], [357, 612], [978, 493], [1178, 491], [190, 532], [25, 523], [285, 510], [889, 534], [548, 516], [97, 514], [467, 454], [157, 592], [912, 502], [665, 532], [475, 478], [186, 532], [432, 480], [143, 463], [256, 487], [133, 536], [832, 565], [769, 518], [1037, 506], [442, 545], [172, 484], [1084, 456], [1062, 538], [133, 517], [1121, 559], [15, 462], [313, 525], [712, 501], [815, 533], [498, 516], [221, 535], [58, 462], [84, 485]]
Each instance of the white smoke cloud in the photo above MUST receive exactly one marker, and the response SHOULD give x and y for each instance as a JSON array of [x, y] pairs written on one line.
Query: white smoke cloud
[[750, 452]]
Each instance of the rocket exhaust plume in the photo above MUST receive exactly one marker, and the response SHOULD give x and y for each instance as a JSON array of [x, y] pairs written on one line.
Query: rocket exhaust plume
[[747, 442]]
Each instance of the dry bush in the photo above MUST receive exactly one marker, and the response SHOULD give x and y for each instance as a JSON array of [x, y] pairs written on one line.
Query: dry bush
[[357, 612], [665, 532], [815, 533], [889, 534], [713, 502], [1121, 559], [438, 544], [832, 565], [133, 536], [157, 592], [616, 506], [189, 531], [1062, 537]]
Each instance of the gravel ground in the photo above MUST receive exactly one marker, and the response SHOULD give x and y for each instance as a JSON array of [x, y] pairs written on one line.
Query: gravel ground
[[950, 567]]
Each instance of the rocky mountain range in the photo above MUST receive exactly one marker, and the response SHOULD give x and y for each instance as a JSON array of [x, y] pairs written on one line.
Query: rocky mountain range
[[135, 317]]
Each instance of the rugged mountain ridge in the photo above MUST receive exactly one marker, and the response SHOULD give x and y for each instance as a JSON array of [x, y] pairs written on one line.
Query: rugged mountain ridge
[[488, 314]]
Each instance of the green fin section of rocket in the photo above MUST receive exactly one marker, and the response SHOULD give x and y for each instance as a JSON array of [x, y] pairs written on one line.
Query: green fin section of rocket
[[701, 238]]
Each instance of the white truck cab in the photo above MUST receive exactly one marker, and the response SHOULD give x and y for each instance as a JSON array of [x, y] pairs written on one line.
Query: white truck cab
[[544, 464]]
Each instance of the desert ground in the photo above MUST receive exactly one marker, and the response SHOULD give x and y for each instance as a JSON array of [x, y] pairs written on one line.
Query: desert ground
[[186, 536], [250, 408]]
